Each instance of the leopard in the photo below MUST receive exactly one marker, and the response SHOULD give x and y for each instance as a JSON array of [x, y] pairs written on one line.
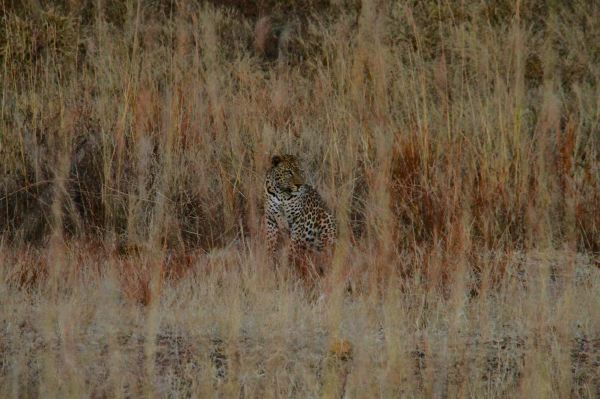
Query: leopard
[[295, 210]]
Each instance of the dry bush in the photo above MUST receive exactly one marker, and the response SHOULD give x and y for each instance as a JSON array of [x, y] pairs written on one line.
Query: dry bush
[[114, 326]]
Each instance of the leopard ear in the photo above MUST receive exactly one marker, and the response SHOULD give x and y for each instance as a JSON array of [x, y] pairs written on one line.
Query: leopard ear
[[275, 160]]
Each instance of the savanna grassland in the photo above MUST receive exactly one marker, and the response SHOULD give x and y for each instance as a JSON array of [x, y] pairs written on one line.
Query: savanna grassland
[[457, 142]]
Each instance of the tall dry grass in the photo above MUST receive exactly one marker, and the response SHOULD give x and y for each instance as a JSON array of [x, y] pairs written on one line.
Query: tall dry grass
[[456, 142]]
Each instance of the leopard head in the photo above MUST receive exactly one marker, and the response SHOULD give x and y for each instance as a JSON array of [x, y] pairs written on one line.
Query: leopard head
[[284, 177]]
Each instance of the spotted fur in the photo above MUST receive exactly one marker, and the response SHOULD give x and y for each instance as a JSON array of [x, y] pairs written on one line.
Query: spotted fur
[[296, 209]]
